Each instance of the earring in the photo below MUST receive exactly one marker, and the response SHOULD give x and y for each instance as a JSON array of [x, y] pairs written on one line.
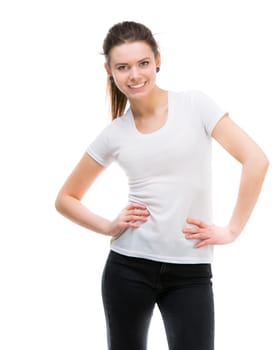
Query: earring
[[157, 69], [111, 79]]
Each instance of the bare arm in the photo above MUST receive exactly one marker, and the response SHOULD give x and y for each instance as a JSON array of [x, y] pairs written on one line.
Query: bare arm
[[254, 167], [68, 202]]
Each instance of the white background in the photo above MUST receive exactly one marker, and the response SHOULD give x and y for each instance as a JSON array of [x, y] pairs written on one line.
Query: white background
[[53, 104]]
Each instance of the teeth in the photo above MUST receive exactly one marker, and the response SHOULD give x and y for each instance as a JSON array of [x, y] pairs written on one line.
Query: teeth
[[137, 86]]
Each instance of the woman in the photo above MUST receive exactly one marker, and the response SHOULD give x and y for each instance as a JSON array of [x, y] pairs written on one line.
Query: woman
[[162, 241]]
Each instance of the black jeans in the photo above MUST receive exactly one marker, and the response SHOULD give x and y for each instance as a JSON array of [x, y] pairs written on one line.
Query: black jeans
[[183, 292]]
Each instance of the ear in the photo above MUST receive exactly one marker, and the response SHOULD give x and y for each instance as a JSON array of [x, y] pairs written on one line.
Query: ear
[[108, 70], [158, 60]]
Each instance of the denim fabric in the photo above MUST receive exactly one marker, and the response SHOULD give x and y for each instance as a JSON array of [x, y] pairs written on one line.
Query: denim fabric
[[183, 292]]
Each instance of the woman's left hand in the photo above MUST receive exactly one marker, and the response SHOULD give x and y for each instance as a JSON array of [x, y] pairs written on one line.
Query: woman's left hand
[[208, 234]]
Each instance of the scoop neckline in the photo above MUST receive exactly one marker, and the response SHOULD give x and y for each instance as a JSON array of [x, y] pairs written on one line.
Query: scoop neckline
[[161, 129]]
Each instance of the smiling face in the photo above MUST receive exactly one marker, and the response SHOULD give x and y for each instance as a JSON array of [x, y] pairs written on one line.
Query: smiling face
[[133, 68]]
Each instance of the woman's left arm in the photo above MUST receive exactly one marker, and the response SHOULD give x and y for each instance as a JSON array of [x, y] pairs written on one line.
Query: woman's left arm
[[254, 167]]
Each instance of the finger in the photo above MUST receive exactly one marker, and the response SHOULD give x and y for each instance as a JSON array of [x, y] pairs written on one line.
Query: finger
[[197, 222], [135, 218], [202, 244], [130, 224], [194, 236], [140, 212], [194, 230], [137, 212], [190, 230], [136, 205]]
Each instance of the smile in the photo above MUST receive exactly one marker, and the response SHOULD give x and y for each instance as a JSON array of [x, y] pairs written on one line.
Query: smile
[[138, 86]]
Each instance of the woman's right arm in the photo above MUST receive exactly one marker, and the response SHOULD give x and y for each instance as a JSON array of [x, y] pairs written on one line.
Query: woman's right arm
[[68, 202]]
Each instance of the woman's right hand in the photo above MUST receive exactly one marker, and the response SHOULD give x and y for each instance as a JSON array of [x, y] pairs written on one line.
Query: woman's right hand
[[128, 217]]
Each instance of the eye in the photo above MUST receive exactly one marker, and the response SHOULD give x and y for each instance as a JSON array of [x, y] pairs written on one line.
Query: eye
[[123, 67], [144, 63]]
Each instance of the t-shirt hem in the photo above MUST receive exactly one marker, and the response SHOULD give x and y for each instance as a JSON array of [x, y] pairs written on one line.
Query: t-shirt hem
[[95, 157], [218, 117], [167, 259]]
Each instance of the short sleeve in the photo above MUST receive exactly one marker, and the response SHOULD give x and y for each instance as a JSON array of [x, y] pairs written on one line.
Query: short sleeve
[[101, 148], [208, 110]]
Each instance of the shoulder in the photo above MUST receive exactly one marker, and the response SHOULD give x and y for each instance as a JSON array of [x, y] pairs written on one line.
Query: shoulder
[[115, 126], [192, 95], [200, 101], [188, 100]]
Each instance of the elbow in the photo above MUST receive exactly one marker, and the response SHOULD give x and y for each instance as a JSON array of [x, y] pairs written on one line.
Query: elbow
[[64, 202], [264, 163], [59, 204], [257, 164], [261, 163]]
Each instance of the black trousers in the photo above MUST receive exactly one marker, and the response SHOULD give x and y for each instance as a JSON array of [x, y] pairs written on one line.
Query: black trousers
[[183, 292]]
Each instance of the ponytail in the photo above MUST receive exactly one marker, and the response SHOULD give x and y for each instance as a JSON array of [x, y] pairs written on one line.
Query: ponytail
[[118, 100]]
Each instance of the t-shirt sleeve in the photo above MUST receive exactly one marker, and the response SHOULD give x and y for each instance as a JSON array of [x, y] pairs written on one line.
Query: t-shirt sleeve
[[101, 148], [208, 110]]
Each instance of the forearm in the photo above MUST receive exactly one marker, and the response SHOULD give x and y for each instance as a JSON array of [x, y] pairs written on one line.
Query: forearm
[[75, 211], [252, 178]]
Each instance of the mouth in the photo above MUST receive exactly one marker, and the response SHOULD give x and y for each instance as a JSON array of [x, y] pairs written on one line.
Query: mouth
[[137, 86]]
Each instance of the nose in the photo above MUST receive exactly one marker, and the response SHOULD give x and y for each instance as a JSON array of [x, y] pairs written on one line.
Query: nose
[[134, 73]]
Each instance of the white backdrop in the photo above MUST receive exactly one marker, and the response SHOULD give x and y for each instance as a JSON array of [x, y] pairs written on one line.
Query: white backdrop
[[52, 106]]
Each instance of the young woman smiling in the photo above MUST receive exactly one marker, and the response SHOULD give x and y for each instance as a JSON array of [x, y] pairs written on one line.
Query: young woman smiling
[[162, 240]]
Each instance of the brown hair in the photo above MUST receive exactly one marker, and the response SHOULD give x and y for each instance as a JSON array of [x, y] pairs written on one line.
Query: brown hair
[[120, 33]]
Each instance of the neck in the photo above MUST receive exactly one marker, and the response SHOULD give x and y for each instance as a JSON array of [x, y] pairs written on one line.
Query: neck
[[149, 105]]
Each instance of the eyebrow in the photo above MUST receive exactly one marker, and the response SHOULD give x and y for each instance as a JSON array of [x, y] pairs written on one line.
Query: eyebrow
[[125, 64]]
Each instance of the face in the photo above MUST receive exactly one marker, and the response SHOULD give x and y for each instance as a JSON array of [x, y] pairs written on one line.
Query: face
[[133, 67]]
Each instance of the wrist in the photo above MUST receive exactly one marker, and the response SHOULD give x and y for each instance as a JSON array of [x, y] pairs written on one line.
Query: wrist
[[107, 228], [234, 232]]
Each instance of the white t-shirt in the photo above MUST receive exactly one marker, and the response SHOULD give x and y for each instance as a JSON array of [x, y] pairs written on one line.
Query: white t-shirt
[[169, 171]]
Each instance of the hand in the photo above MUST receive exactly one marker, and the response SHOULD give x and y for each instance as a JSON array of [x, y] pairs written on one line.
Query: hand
[[128, 217], [208, 234]]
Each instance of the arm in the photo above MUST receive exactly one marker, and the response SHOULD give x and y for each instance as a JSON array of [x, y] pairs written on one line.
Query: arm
[[254, 167], [68, 201]]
